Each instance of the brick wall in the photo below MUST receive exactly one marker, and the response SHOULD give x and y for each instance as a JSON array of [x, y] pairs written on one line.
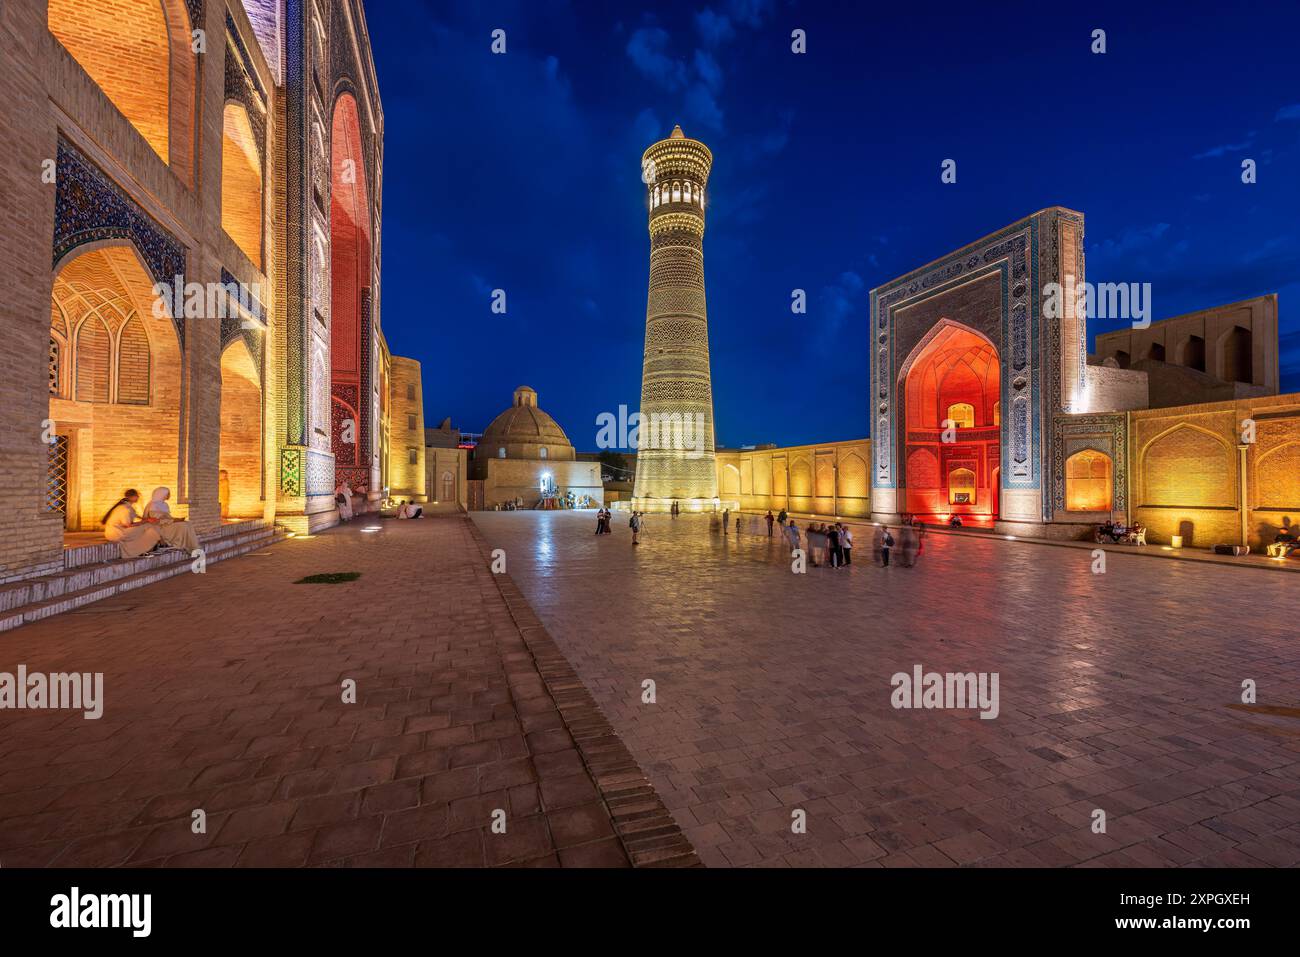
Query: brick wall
[[829, 479], [406, 479], [241, 184], [123, 45], [1186, 470]]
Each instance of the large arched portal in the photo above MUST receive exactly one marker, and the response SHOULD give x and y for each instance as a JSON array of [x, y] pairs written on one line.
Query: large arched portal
[[951, 394], [241, 434], [350, 437], [139, 54], [115, 387]]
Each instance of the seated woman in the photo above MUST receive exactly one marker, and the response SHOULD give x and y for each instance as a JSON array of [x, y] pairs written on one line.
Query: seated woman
[[343, 498], [134, 536], [175, 533]]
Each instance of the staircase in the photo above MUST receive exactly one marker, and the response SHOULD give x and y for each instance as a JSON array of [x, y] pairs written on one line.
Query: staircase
[[94, 572]]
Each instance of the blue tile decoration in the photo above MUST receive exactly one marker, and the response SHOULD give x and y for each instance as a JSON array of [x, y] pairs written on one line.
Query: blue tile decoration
[[232, 326], [1011, 253], [90, 207]]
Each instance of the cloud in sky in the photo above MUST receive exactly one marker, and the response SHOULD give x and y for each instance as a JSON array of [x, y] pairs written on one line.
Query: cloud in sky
[[750, 12], [714, 28], [1131, 240], [1222, 150], [1291, 112], [647, 48]]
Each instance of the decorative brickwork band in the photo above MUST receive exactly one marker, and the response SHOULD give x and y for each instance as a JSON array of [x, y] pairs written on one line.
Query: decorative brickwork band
[[675, 460]]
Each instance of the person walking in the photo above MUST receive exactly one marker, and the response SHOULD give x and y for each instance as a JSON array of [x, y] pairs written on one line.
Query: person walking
[[886, 544], [635, 523], [816, 543], [780, 519], [833, 554], [846, 543], [737, 525], [792, 535], [770, 520], [726, 520]]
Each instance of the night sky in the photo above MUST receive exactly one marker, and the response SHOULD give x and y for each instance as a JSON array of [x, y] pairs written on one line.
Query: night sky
[[521, 172]]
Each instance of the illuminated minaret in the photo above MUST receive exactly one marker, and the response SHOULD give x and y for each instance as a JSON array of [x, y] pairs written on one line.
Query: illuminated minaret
[[675, 459]]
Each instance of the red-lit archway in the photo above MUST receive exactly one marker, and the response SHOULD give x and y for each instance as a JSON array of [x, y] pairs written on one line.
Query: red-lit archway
[[350, 437], [951, 391]]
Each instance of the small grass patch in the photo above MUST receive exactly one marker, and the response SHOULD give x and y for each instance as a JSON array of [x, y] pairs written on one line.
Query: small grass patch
[[329, 578]]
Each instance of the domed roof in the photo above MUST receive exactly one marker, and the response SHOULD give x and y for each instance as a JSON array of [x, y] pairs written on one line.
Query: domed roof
[[524, 423]]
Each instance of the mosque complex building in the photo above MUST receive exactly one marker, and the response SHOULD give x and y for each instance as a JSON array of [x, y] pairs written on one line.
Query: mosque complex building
[[197, 305], [197, 299], [984, 402]]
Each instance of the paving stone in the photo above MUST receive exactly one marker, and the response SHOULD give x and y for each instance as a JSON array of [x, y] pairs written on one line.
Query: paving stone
[[240, 713], [1117, 692]]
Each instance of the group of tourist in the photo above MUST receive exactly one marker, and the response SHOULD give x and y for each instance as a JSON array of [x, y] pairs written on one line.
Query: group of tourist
[[831, 543], [828, 542], [154, 530], [635, 522]]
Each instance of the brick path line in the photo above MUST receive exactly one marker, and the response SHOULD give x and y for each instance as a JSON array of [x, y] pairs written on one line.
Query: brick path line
[[644, 826]]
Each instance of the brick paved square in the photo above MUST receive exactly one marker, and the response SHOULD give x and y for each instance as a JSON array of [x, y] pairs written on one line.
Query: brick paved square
[[1118, 692], [238, 712]]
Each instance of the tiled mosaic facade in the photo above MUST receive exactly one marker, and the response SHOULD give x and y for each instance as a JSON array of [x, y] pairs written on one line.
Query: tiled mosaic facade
[[133, 155], [1007, 256]]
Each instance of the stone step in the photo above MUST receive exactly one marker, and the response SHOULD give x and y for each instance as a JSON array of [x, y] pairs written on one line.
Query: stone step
[[82, 574], [82, 586]]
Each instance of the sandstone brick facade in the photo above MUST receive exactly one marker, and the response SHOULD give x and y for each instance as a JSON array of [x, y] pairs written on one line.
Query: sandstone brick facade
[[142, 144], [827, 479]]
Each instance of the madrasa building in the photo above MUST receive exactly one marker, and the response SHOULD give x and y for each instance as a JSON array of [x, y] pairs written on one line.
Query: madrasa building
[[194, 242], [985, 403]]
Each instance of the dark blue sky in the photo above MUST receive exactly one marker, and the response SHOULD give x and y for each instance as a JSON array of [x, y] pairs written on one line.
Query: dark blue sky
[[521, 172]]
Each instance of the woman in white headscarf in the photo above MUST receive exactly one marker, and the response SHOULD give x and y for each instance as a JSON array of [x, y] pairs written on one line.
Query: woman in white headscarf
[[134, 536], [343, 499], [177, 534]]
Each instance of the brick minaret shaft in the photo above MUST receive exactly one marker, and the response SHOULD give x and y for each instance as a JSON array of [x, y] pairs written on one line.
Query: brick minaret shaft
[[675, 382]]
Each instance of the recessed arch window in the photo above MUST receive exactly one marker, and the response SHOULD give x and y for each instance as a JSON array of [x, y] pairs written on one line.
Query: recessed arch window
[[56, 366], [139, 55], [656, 199], [961, 487], [686, 193], [241, 182], [501, 452], [541, 453], [1089, 485], [962, 415], [677, 192]]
